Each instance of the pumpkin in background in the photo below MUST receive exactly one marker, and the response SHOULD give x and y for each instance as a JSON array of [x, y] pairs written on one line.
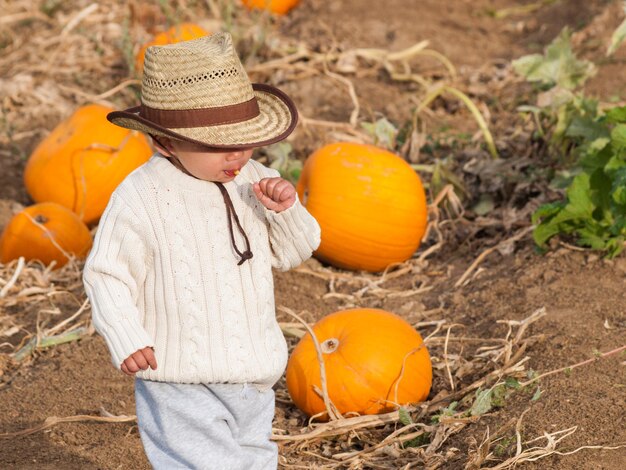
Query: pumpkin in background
[[279, 7], [178, 33], [374, 361], [46, 232], [369, 202], [80, 163]]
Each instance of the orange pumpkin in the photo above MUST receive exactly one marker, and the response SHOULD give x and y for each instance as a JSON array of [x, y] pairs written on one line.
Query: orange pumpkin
[[79, 164], [369, 202], [279, 7], [178, 33], [46, 232], [374, 361]]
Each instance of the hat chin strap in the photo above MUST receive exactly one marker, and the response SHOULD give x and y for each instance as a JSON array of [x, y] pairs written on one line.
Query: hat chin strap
[[231, 215]]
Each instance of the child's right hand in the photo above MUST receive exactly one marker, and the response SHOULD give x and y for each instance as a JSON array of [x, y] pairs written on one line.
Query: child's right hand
[[139, 360]]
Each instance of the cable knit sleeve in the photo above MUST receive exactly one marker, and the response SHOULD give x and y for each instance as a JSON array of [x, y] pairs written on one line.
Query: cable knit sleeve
[[113, 276], [294, 235]]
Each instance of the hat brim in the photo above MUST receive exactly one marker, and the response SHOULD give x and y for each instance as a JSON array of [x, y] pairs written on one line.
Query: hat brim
[[276, 120]]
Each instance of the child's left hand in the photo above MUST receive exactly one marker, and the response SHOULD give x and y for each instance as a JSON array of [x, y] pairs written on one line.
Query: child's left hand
[[276, 194]]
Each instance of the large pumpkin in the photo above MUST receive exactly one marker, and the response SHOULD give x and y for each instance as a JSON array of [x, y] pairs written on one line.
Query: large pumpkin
[[369, 202], [79, 164], [280, 7], [177, 33], [46, 232], [374, 361]]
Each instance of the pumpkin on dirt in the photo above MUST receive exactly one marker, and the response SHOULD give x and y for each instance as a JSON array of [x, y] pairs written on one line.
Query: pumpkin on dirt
[[369, 202], [279, 7], [80, 163], [178, 33], [374, 361], [46, 232]]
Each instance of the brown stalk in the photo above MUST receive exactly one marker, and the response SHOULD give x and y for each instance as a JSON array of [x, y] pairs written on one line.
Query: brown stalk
[[333, 413]]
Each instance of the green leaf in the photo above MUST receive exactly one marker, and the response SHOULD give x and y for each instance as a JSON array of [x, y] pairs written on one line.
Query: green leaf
[[498, 396], [598, 144], [537, 394], [555, 98], [587, 128], [447, 411], [618, 37], [579, 196], [558, 218], [593, 159], [615, 246], [512, 382], [484, 205], [421, 440], [618, 189], [543, 217], [482, 403], [280, 159], [544, 232], [618, 137], [529, 66], [592, 237], [558, 66], [405, 417], [616, 115], [383, 132]]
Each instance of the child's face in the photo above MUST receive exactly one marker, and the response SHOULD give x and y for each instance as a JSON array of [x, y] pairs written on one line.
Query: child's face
[[205, 165]]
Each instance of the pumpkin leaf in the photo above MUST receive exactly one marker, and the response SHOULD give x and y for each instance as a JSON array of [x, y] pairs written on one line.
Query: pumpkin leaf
[[280, 159], [383, 132], [421, 440], [595, 205], [449, 410], [616, 115], [512, 382], [499, 395], [557, 66], [618, 138], [482, 402], [405, 417]]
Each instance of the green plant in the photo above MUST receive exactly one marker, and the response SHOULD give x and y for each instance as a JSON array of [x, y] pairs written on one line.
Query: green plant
[[595, 205], [281, 159], [559, 76], [594, 209]]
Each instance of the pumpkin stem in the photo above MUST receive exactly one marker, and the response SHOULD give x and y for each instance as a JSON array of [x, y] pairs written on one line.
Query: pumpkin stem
[[41, 219], [330, 345]]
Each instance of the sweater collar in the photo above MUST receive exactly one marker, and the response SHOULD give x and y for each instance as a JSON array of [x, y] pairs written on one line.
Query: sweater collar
[[171, 172]]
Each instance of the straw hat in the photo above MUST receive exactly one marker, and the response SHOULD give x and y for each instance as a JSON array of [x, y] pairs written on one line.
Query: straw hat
[[198, 91]]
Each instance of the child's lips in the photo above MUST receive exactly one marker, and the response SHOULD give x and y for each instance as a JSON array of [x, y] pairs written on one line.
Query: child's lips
[[232, 173]]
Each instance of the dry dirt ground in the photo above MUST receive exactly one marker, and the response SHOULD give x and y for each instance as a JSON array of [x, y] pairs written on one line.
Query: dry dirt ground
[[582, 293]]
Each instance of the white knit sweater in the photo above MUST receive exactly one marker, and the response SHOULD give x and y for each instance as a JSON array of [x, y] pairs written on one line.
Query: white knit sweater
[[163, 273]]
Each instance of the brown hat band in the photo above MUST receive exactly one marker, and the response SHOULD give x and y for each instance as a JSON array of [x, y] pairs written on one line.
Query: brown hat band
[[185, 118]]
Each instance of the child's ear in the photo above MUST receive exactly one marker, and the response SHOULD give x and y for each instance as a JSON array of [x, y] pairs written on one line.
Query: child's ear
[[163, 145]]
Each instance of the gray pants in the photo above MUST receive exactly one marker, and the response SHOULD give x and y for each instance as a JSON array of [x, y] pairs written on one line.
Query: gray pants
[[219, 426]]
